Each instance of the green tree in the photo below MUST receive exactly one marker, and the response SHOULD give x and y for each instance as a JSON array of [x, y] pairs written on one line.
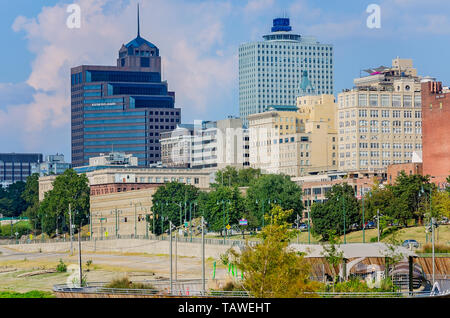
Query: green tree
[[408, 197], [68, 188], [329, 216], [441, 204], [222, 206], [230, 176], [272, 269], [173, 203], [11, 202], [271, 189], [31, 196]]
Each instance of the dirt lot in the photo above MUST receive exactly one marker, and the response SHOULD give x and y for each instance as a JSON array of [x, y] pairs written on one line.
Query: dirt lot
[[105, 267]]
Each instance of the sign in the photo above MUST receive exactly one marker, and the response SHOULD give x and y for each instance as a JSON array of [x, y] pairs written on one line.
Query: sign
[[243, 222], [106, 234], [186, 224], [16, 233], [89, 233], [228, 227], [31, 236]]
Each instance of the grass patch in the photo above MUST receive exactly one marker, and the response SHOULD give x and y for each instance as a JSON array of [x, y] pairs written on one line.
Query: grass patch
[[438, 248], [125, 283], [30, 294]]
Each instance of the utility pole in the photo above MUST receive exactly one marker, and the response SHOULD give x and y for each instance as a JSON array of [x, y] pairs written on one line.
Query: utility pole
[[170, 233], [79, 257], [135, 221], [70, 230], [176, 256], [309, 230], [378, 224], [432, 245], [363, 221], [203, 255]]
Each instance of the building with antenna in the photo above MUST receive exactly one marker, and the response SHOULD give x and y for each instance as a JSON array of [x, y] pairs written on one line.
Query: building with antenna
[[122, 108], [271, 71]]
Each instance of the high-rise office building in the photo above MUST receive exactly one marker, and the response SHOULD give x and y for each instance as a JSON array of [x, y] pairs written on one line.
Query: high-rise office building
[[53, 164], [380, 120], [270, 71], [17, 167], [122, 108]]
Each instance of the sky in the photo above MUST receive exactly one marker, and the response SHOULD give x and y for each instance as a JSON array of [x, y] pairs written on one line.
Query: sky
[[198, 41]]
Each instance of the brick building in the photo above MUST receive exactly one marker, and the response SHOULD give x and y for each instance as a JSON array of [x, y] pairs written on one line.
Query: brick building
[[409, 168], [436, 131]]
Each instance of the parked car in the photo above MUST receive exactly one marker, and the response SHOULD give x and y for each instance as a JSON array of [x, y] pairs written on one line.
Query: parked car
[[370, 225], [303, 227], [409, 243], [354, 226]]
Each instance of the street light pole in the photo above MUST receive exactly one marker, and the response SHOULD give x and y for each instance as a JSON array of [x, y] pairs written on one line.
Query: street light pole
[[363, 221], [70, 230], [432, 245], [170, 233], [378, 224], [203, 255]]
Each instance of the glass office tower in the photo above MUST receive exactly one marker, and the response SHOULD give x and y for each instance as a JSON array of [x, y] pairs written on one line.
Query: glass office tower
[[270, 71], [122, 108]]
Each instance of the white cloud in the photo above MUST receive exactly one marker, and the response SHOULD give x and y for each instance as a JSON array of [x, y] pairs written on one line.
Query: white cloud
[[258, 5], [188, 35]]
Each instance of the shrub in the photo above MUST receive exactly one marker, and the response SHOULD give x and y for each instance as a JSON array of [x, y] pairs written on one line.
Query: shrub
[[61, 267], [125, 283], [438, 248]]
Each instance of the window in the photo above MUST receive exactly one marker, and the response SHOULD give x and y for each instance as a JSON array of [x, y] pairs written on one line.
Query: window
[[385, 100], [362, 99], [373, 99], [396, 100]]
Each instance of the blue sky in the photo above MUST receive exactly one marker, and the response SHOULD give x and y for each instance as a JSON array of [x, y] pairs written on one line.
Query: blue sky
[[198, 41]]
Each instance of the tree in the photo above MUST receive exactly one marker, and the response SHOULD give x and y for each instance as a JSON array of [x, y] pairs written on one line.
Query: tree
[[11, 202], [441, 204], [407, 192], [271, 189], [222, 206], [272, 269], [329, 216], [230, 176], [31, 196], [71, 189], [173, 202]]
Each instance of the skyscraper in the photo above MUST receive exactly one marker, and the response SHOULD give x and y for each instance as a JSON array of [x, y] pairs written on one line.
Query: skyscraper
[[380, 119], [122, 108], [270, 71]]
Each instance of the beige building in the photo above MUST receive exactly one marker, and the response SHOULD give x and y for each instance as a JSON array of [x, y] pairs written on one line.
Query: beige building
[[295, 140], [134, 175], [121, 214], [379, 121]]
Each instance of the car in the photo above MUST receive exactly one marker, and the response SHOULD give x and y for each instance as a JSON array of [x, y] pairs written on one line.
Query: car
[[370, 225], [408, 243], [354, 226], [303, 227]]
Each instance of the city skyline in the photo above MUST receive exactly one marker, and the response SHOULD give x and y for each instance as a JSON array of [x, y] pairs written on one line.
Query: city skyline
[[201, 46]]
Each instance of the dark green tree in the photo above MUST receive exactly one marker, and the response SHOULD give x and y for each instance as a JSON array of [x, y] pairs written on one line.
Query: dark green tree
[[31, 196], [230, 176], [172, 202], [11, 202], [68, 188], [222, 206], [328, 217], [271, 189]]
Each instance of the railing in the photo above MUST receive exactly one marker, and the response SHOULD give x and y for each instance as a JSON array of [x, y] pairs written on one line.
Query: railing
[[193, 289]]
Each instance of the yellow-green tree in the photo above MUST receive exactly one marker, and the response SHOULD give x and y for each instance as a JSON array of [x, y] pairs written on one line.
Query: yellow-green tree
[[441, 204], [271, 268]]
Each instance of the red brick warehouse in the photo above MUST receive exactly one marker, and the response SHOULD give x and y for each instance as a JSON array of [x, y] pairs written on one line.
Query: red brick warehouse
[[436, 131]]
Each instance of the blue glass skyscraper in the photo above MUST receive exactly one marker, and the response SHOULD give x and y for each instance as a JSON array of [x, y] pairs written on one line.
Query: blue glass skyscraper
[[122, 108]]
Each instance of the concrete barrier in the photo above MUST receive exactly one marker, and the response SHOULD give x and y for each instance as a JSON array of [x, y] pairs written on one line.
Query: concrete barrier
[[125, 246]]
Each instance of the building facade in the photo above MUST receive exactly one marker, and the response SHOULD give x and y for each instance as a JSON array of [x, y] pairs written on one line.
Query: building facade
[[436, 131], [17, 167], [270, 71], [295, 142], [53, 164], [380, 119], [176, 147], [123, 107], [132, 178]]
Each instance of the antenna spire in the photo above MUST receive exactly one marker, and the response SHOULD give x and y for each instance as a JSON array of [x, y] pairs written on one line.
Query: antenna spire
[[138, 22]]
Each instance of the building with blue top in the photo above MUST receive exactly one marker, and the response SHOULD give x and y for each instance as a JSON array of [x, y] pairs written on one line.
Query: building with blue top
[[281, 67], [122, 108]]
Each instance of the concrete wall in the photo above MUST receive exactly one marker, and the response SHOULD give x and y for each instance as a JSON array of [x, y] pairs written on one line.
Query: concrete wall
[[125, 246]]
